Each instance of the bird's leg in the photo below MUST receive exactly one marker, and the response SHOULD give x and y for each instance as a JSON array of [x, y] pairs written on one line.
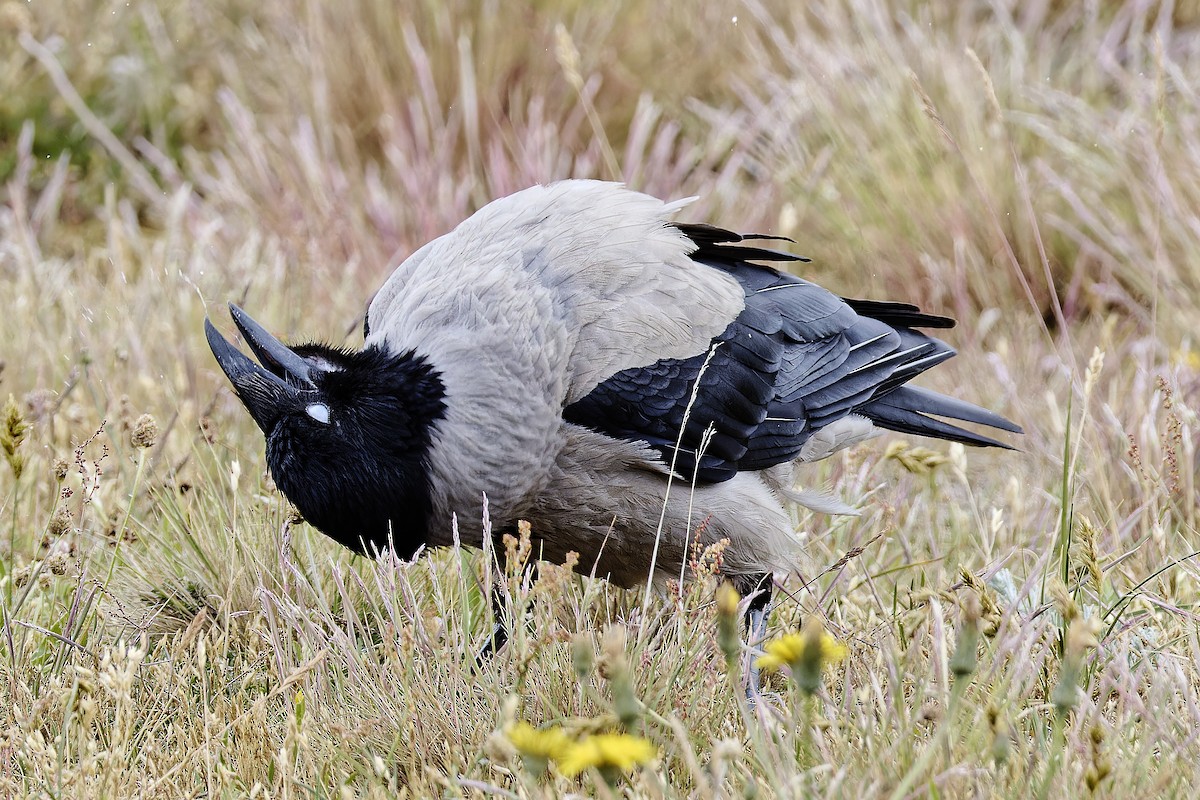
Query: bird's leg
[[761, 587], [499, 636], [500, 630]]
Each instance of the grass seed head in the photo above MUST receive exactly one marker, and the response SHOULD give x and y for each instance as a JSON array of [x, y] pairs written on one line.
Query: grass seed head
[[15, 19], [145, 432], [12, 434], [917, 460], [1099, 767], [57, 563], [60, 523]]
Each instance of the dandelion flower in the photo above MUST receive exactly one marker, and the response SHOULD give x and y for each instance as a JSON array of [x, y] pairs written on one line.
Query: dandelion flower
[[789, 650], [804, 653], [607, 752], [539, 747]]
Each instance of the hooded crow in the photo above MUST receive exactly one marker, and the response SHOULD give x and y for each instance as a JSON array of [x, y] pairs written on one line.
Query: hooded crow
[[564, 352]]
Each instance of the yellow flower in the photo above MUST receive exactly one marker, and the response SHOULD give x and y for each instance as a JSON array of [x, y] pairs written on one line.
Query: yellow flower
[[538, 747], [1186, 358], [606, 751], [804, 653], [789, 650]]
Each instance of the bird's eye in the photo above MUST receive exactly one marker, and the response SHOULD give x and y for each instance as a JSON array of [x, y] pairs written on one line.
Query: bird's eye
[[318, 411]]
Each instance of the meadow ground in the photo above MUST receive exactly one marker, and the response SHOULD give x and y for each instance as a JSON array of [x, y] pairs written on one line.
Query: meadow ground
[[1016, 624]]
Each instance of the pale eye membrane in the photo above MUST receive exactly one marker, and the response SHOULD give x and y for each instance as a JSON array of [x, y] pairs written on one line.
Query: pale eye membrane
[[318, 411]]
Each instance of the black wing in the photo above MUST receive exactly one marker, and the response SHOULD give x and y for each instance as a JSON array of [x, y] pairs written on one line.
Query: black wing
[[796, 359]]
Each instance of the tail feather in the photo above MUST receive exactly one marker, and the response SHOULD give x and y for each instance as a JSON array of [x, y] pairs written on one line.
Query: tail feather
[[899, 315], [907, 409]]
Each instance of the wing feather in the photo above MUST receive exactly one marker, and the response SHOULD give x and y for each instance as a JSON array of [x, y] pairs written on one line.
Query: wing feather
[[797, 358]]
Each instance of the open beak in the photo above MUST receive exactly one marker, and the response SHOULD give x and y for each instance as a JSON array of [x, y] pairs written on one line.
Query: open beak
[[266, 393]]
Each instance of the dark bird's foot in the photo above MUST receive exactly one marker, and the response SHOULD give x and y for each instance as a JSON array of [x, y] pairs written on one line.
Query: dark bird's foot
[[502, 630], [760, 588], [493, 645]]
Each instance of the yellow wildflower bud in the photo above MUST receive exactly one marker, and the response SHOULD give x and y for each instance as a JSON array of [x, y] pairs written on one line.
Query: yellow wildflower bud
[[615, 668], [728, 625], [1081, 637], [583, 657], [965, 658]]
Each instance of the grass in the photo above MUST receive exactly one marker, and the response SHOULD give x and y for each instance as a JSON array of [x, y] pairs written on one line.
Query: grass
[[1017, 623]]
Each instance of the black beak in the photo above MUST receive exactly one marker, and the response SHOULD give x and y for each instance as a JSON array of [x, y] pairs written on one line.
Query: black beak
[[272, 353], [266, 393]]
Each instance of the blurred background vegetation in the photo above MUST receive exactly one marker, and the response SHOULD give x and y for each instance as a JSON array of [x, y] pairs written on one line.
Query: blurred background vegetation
[[1031, 168]]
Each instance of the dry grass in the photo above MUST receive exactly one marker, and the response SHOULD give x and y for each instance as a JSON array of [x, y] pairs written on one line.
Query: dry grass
[[1017, 623]]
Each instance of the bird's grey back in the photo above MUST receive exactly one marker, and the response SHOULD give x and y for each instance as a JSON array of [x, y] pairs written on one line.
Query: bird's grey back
[[527, 306]]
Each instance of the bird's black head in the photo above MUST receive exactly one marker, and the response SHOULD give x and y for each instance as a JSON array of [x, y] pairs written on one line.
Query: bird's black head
[[347, 432]]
